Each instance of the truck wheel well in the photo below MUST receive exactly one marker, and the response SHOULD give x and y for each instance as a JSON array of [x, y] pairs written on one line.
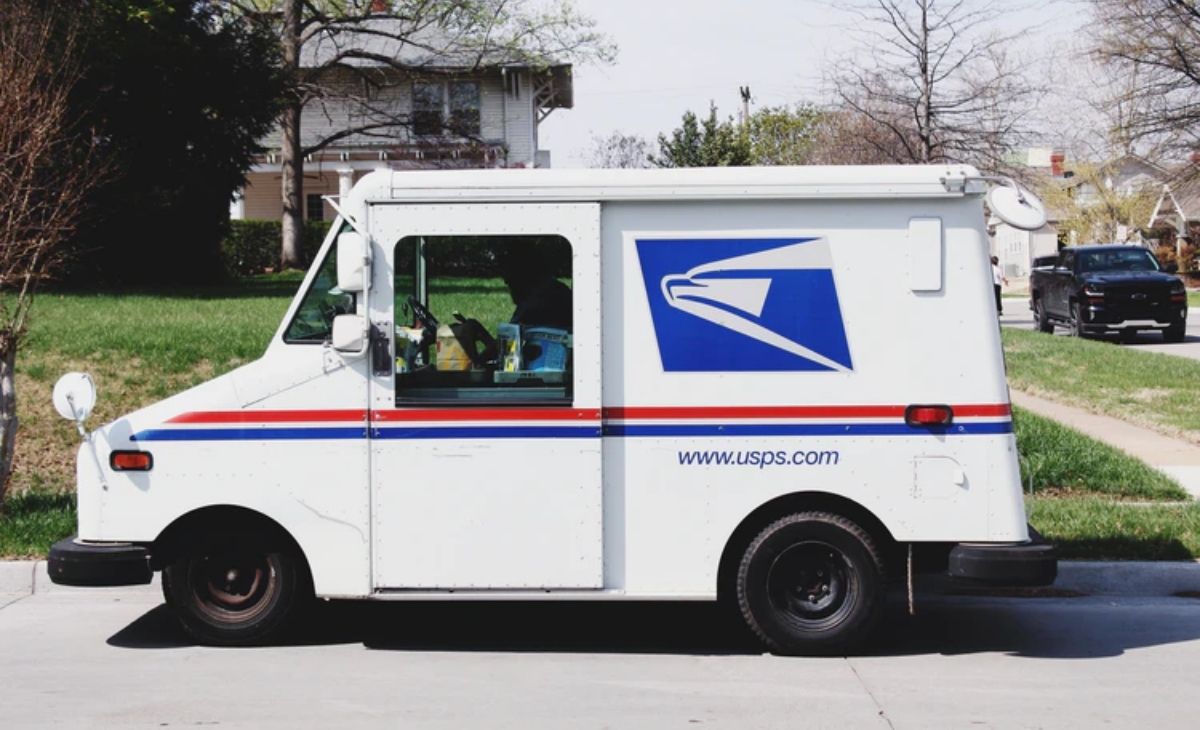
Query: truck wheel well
[[787, 504], [227, 519]]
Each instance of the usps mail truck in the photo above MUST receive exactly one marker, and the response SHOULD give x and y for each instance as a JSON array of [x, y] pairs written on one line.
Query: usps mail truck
[[775, 387]]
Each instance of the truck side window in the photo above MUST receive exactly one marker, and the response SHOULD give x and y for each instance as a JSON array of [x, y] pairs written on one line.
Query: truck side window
[[483, 319], [313, 322]]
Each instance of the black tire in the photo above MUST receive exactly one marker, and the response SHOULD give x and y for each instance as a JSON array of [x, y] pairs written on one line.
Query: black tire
[[1175, 333], [236, 591], [1077, 320], [811, 583], [1043, 322]]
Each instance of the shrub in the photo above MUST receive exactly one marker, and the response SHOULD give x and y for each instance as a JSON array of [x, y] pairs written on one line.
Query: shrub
[[252, 247]]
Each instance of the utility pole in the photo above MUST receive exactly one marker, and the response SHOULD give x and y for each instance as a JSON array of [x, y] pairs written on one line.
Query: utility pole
[[745, 92]]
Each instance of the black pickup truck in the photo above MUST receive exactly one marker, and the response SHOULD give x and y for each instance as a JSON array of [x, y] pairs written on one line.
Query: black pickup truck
[[1108, 289]]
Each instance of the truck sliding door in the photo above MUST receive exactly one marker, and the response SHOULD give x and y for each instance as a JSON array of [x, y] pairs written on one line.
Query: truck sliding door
[[485, 448]]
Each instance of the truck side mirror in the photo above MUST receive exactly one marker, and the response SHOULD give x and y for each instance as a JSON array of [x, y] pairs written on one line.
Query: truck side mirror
[[349, 332], [351, 261], [1171, 268]]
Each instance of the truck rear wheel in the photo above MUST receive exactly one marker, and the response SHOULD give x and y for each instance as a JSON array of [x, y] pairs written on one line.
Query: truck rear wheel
[[236, 591], [1175, 333], [811, 583]]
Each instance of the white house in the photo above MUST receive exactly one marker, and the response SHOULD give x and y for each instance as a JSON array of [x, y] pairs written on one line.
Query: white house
[[453, 111]]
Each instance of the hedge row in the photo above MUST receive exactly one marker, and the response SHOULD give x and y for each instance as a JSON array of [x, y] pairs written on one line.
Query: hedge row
[[252, 247]]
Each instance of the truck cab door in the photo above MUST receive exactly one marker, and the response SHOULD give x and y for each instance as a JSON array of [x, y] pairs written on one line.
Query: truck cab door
[[485, 435], [1062, 283]]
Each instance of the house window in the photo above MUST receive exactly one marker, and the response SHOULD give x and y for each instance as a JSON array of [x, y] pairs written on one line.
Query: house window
[[441, 107], [464, 108], [429, 101], [314, 207], [483, 319]]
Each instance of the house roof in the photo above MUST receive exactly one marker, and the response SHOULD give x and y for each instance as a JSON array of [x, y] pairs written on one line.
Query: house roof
[[1179, 197], [380, 42]]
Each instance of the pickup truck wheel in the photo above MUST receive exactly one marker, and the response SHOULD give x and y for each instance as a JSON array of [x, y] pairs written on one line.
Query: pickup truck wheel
[[1043, 322], [811, 583], [1077, 320], [234, 592], [1175, 333]]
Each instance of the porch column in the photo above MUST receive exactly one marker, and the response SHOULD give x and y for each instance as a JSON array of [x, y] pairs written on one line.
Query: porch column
[[345, 181]]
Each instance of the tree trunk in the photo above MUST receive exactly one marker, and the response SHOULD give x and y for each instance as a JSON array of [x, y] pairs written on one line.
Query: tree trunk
[[8, 410], [292, 162], [292, 155]]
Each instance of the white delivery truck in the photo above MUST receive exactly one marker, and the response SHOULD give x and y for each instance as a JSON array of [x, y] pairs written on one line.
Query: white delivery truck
[[771, 386]]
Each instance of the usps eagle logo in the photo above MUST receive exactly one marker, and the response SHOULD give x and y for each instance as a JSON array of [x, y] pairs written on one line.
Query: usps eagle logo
[[744, 304]]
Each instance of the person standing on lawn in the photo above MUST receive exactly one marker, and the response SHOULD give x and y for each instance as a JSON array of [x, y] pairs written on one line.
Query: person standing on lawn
[[998, 280]]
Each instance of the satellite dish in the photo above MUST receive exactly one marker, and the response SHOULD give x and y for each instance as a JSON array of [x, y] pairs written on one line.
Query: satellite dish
[[1016, 207], [75, 396]]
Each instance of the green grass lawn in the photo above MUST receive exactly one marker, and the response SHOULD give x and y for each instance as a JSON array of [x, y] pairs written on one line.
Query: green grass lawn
[[1067, 463], [1194, 299], [1151, 389], [1094, 528]]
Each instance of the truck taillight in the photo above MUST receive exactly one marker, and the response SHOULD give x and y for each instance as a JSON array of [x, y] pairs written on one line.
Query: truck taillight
[[928, 415], [130, 461]]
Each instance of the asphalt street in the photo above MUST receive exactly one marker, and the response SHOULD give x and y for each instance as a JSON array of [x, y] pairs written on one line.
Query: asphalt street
[[114, 658], [1018, 314]]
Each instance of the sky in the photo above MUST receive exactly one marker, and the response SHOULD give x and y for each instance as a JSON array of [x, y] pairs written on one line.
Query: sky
[[676, 55]]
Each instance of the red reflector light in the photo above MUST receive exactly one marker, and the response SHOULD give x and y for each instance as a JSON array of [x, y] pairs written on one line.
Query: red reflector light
[[928, 415], [130, 461], [1179, 297]]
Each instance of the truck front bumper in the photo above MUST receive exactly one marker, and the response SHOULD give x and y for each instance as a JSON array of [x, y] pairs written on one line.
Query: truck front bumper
[[1015, 564], [76, 563], [1100, 319]]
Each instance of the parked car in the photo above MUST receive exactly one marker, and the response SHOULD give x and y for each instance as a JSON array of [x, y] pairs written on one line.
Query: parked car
[[1108, 289]]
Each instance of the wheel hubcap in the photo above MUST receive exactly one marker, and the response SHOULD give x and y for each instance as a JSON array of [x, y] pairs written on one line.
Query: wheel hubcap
[[809, 582], [232, 586]]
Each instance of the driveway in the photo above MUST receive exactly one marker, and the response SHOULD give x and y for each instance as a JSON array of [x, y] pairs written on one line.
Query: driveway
[[1017, 314], [114, 658]]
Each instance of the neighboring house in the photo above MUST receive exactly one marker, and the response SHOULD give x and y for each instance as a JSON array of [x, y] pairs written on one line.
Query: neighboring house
[[1126, 176], [1177, 210], [458, 112]]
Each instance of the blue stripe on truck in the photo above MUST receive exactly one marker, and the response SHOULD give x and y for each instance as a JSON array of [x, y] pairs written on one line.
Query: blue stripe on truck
[[541, 432]]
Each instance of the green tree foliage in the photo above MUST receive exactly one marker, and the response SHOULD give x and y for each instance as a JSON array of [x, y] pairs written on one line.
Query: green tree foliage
[[707, 143], [1092, 210], [772, 136], [784, 136], [179, 92]]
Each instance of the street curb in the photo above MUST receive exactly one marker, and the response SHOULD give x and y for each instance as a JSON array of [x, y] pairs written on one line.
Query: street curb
[[16, 576], [1128, 578]]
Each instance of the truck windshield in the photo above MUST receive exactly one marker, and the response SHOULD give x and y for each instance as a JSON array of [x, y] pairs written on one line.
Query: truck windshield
[[313, 322], [1123, 259]]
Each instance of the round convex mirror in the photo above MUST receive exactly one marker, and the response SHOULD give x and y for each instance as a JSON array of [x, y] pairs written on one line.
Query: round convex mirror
[[75, 396], [1016, 207]]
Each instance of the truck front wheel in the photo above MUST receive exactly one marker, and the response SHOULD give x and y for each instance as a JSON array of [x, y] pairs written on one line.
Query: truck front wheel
[[1077, 320], [811, 583], [1043, 320], [235, 592]]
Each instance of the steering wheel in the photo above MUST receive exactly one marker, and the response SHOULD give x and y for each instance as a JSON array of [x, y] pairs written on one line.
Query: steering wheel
[[424, 316]]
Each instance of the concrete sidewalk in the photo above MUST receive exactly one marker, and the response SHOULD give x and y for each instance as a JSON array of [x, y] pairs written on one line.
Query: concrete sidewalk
[[1174, 457]]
